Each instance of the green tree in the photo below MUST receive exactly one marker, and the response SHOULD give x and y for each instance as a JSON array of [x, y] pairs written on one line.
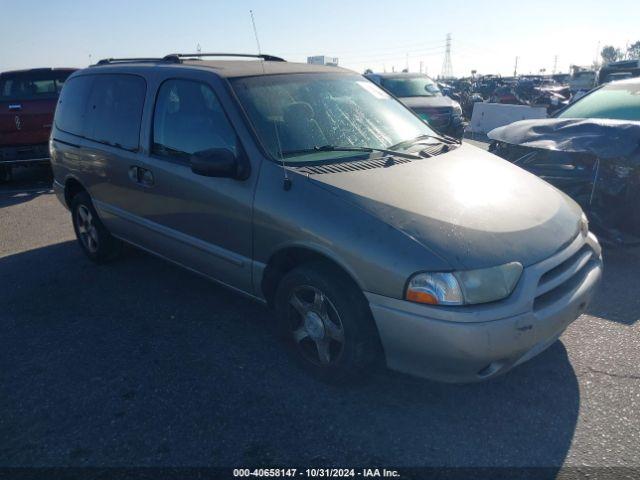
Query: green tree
[[610, 54], [633, 51]]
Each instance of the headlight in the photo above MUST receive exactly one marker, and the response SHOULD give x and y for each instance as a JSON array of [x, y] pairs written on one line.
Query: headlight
[[584, 225], [464, 287], [457, 110]]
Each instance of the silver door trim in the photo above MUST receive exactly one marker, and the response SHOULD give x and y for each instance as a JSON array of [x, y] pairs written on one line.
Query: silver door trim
[[194, 242]]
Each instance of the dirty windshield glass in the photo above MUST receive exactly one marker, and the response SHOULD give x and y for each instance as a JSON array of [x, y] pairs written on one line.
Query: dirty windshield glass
[[615, 101], [411, 86], [295, 114]]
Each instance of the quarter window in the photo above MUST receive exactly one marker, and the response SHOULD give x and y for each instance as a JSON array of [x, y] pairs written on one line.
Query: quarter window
[[188, 118], [70, 112]]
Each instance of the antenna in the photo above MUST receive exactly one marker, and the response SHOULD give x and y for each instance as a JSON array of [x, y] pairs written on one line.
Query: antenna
[[255, 31], [287, 181]]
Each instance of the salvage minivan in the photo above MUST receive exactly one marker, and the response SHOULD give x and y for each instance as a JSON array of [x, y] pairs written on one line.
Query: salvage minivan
[[311, 189]]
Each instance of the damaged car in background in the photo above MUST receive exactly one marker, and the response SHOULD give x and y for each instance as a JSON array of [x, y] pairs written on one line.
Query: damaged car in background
[[591, 151]]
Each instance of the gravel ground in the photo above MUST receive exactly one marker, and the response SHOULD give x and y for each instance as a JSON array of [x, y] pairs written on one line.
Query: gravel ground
[[141, 363]]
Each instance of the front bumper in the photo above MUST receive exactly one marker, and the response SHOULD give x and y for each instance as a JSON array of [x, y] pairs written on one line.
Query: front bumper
[[467, 344], [24, 155]]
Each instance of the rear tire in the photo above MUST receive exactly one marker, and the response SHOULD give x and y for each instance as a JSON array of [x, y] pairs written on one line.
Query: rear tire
[[326, 321], [94, 238]]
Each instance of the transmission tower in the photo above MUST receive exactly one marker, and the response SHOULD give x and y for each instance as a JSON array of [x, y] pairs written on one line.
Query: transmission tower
[[447, 69]]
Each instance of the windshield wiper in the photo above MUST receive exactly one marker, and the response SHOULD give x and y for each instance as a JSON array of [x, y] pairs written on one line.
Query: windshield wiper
[[447, 140], [340, 148]]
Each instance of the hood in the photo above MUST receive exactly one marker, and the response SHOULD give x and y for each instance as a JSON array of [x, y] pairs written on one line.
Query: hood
[[606, 139], [427, 102], [468, 206]]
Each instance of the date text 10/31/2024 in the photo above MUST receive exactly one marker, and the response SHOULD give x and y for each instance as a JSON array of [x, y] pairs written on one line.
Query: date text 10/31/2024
[[316, 472]]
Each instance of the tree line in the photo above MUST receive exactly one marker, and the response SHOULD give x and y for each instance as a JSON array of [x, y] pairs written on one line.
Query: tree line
[[610, 53]]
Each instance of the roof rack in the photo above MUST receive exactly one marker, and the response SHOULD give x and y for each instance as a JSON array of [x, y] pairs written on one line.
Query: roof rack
[[177, 58], [108, 61], [267, 58]]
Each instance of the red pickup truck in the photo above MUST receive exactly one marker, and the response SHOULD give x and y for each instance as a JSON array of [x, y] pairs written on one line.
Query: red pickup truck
[[28, 100]]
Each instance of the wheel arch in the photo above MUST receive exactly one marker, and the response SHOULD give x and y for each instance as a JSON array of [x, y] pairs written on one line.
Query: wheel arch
[[72, 186], [289, 257]]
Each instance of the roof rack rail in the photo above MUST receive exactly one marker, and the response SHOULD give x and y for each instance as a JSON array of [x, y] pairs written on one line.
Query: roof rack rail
[[268, 58], [108, 61]]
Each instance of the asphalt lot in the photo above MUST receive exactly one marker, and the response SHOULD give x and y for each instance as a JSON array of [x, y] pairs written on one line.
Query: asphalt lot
[[141, 363]]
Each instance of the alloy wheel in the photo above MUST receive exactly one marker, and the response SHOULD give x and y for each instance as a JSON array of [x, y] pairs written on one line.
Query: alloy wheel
[[316, 326], [86, 228]]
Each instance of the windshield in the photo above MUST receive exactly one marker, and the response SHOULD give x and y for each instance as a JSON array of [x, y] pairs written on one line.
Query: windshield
[[32, 85], [314, 110], [614, 101], [411, 86]]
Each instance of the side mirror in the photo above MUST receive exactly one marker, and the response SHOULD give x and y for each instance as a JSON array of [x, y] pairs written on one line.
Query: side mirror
[[218, 162]]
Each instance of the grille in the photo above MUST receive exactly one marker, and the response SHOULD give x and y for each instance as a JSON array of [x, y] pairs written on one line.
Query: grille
[[563, 278]]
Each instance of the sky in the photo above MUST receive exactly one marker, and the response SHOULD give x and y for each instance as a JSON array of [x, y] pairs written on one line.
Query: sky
[[486, 36]]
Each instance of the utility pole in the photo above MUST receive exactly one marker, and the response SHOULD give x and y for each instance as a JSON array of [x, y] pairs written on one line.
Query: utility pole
[[421, 63], [407, 63], [447, 69], [515, 68], [555, 64]]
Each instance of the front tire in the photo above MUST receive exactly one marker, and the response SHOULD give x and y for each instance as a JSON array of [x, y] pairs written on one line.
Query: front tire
[[326, 321], [94, 238]]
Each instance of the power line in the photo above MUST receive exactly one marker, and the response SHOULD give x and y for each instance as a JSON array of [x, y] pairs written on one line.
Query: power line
[[403, 47]]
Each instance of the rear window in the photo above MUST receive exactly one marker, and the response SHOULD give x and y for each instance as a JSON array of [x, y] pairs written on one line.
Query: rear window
[[32, 85], [103, 108]]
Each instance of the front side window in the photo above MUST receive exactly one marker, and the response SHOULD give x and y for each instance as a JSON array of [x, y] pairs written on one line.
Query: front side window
[[615, 101], [411, 86], [188, 118], [294, 114]]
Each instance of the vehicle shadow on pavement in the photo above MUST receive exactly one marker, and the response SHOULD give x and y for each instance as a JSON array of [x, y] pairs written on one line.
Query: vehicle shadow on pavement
[[27, 184], [141, 363], [618, 296]]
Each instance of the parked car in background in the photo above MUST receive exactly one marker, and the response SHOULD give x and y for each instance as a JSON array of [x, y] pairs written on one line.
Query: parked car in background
[[591, 151], [422, 95], [313, 190], [581, 81], [27, 102], [619, 71]]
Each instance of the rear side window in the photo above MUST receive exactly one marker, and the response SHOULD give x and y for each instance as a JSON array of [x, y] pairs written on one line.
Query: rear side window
[[103, 108], [32, 85], [114, 110], [188, 118], [70, 112]]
